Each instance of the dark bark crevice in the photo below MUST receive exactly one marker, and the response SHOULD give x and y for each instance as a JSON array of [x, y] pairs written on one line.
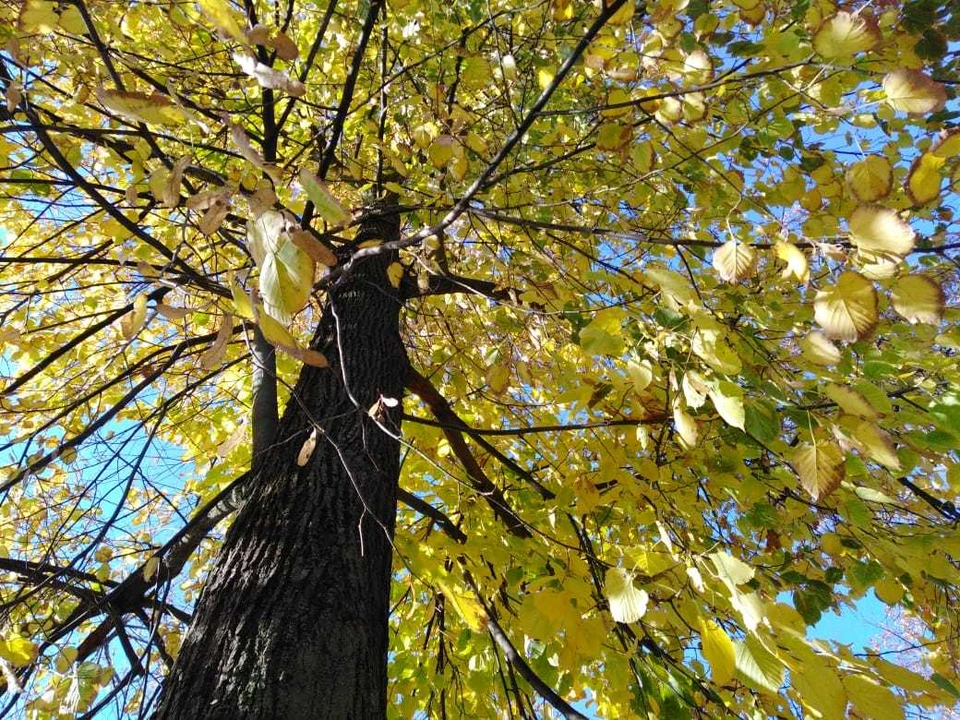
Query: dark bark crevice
[[292, 622]]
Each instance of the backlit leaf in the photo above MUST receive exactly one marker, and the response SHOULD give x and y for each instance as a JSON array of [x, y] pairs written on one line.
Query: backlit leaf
[[818, 349], [718, 649], [18, 650], [847, 310], [735, 261], [796, 260], [627, 603], [874, 228], [221, 15], [924, 180], [757, 666], [870, 179], [914, 93], [843, 35], [728, 400], [323, 200], [819, 466], [132, 322], [153, 109], [919, 299], [871, 699], [877, 444]]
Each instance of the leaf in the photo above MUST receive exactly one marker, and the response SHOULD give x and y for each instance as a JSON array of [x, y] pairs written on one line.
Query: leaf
[[239, 137], [306, 450], [914, 93], [819, 688], [395, 274], [170, 195], [640, 373], [842, 36], [274, 332], [266, 76], [285, 47], [850, 401], [848, 310], [686, 426], [319, 252], [242, 306], [871, 699], [870, 179], [718, 649], [796, 260], [730, 569], [498, 378], [627, 603], [924, 180], [877, 445], [757, 666], [727, 398], [71, 21], [323, 200], [215, 354], [132, 322], [874, 228], [818, 349], [919, 299], [735, 261], [286, 271], [153, 109], [150, 568], [467, 607], [221, 15], [37, 16], [18, 651], [819, 466]]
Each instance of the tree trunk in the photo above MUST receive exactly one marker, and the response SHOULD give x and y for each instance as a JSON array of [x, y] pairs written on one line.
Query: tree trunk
[[292, 622]]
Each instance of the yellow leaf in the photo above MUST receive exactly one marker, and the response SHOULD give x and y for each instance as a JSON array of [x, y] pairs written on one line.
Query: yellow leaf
[[820, 689], [71, 21], [914, 93], [727, 398], [888, 590], [735, 261], [627, 603], [132, 322], [850, 401], [871, 699], [819, 466], [919, 299], [877, 229], [286, 271], [326, 204], [221, 15], [732, 570], [623, 15], [154, 109], [947, 144], [274, 332], [641, 374], [150, 568], [757, 666], [395, 274], [686, 426], [440, 151], [37, 16], [241, 302], [718, 649], [498, 378], [18, 651], [467, 607], [818, 349], [843, 35], [796, 261], [871, 178], [848, 310], [924, 180], [877, 444]]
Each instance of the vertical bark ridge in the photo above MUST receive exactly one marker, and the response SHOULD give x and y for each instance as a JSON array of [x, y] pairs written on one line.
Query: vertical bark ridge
[[292, 622]]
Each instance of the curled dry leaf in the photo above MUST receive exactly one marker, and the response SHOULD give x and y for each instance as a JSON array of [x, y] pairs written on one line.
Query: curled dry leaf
[[306, 450], [320, 253], [285, 47], [268, 77]]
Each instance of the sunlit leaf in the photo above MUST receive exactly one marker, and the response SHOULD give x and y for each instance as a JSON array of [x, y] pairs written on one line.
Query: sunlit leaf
[[323, 200], [132, 322], [221, 15], [818, 349], [727, 398], [796, 260], [871, 699], [153, 109], [757, 666]]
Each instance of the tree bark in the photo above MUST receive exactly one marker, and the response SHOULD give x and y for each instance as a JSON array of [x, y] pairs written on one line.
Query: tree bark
[[292, 622]]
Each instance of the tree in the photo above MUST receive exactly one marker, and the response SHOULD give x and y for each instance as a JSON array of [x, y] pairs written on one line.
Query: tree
[[392, 358]]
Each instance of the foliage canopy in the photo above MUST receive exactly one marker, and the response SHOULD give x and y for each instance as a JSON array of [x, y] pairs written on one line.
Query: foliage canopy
[[679, 283]]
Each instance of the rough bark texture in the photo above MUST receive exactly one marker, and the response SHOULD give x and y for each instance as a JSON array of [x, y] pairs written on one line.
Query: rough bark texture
[[292, 622]]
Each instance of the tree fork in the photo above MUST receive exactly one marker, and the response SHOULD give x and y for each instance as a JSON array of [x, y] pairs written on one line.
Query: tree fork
[[292, 622]]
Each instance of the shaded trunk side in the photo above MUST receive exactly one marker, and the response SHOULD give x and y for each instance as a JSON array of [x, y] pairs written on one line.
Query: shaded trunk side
[[292, 622]]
